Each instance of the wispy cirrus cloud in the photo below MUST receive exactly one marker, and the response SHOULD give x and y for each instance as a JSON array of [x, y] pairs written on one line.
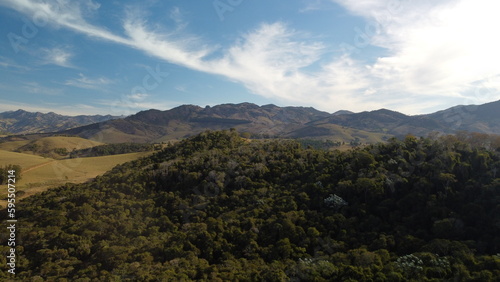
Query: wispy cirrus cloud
[[67, 14], [57, 56], [181, 88], [432, 54], [177, 16], [9, 64], [88, 83], [312, 5]]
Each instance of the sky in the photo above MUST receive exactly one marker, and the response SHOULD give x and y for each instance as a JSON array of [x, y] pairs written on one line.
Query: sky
[[120, 57]]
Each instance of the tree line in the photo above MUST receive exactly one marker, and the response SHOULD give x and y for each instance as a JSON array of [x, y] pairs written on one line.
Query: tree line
[[4, 172]]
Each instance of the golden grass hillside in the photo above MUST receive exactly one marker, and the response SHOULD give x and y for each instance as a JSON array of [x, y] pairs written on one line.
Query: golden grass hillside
[[13, 145], [24, 160], [55, 146], [40, 174]]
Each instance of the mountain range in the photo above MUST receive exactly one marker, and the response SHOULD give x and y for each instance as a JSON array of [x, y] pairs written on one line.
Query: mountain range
[[260, 121], [23, 122]]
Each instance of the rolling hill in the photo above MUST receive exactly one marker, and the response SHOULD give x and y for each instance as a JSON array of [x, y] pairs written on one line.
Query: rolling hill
[[55, 146]]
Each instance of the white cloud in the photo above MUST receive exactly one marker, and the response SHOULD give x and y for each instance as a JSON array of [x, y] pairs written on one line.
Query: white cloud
[[88, 83], [313, 5], [181, 88], [438, 50], [57, 56], [177, 16], [138, 96], [164, 45], [268, 60], [65, 13]]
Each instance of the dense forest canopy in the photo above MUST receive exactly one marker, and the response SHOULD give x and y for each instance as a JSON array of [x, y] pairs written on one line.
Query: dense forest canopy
[[218, 207]]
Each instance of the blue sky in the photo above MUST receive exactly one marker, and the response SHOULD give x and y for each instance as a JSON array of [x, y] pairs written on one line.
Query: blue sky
[[121, 57]]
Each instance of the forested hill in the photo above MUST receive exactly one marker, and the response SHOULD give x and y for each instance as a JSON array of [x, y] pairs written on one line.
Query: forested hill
[[217, 207]]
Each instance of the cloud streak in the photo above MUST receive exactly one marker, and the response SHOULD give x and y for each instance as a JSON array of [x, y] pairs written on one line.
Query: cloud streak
[[437, 52], [88, 83]]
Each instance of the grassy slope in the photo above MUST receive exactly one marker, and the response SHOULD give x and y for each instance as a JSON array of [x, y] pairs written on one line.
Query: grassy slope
[[46, 145], [26, 161], [45, 173], [13, 145], [66, 142]]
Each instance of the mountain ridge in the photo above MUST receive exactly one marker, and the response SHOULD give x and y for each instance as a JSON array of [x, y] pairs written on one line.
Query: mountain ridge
[[288, 122], [187, 120], [24, 122]]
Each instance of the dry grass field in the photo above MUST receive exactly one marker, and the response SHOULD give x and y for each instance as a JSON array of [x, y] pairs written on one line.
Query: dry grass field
[[13, 145], [46, 146], [24, 160], [40, 174]]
